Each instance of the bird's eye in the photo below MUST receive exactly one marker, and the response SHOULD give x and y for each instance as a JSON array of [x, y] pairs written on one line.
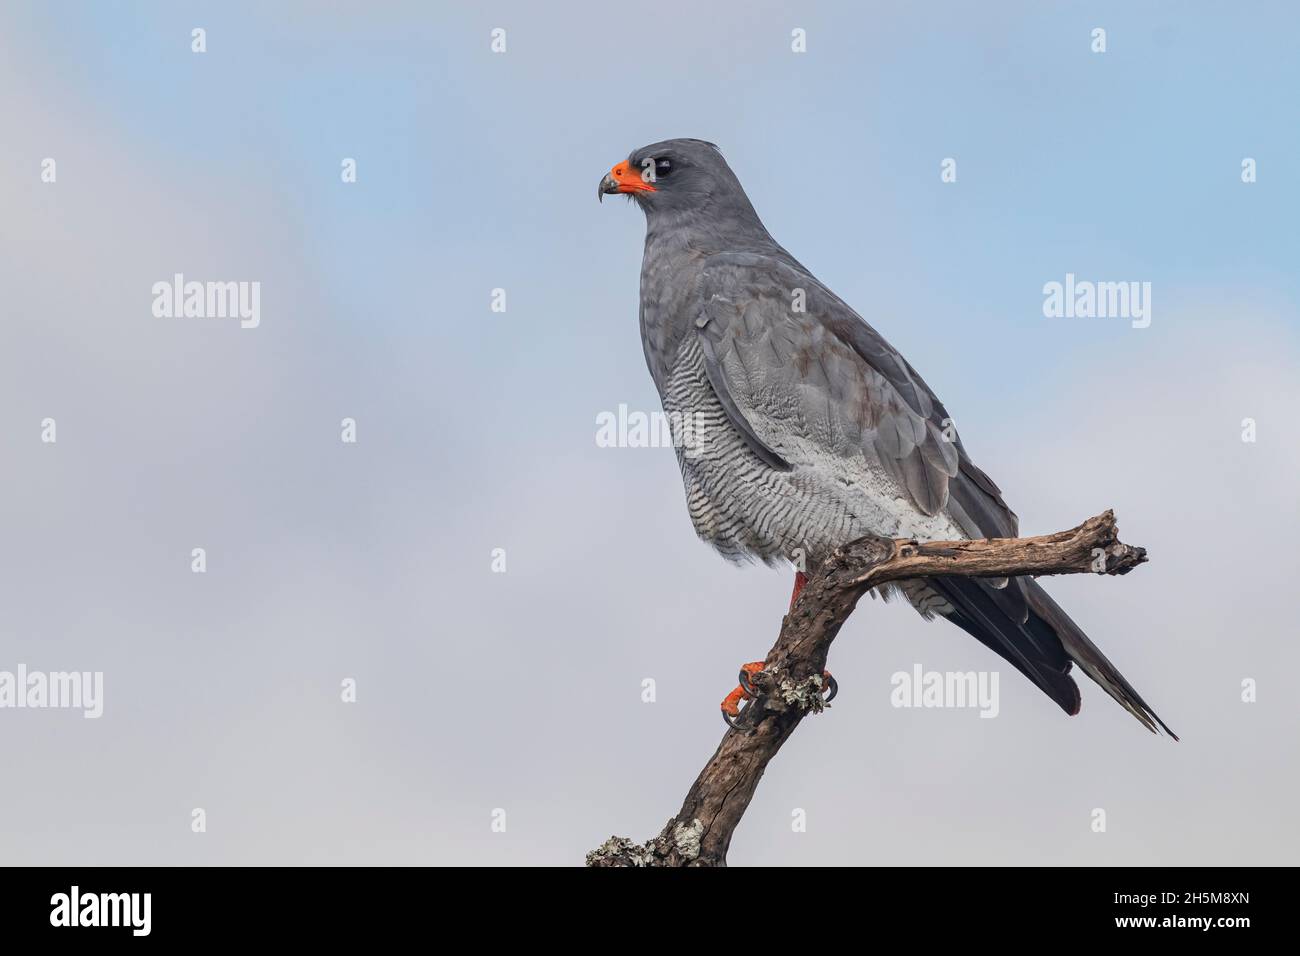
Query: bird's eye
[[663, 167]]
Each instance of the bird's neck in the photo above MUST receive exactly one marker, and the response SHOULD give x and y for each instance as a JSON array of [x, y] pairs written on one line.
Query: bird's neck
[[706, 226]]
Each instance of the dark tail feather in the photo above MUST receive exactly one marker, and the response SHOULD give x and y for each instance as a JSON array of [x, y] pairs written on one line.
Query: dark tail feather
[[980, 611], [1089, 657], [1027, 628]]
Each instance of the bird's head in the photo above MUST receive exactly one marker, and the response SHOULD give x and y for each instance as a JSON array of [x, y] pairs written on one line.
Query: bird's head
[[676, 176]]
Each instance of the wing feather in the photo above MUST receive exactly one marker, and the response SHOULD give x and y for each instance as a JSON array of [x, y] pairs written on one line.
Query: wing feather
[[772, 363]]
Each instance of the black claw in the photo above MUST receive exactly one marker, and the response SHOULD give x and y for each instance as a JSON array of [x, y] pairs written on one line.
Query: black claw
[[745, 685], [834, 688], [732, 722]]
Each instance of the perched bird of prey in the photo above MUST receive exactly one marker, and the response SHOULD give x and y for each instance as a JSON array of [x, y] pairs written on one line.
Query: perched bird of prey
[[810, 429]]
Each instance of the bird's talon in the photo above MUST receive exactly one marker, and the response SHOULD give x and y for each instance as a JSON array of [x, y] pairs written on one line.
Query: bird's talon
[[745, 685], [746, 691], [832, 686]]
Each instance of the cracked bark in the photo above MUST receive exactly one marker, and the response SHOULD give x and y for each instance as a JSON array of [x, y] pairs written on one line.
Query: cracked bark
[[789, 686]]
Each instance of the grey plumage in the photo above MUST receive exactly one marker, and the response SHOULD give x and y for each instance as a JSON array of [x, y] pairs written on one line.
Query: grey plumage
[[811, 429]]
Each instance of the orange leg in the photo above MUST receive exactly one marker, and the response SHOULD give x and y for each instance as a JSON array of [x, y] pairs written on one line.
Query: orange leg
[[800, 579], [731, 705], [745, 690]]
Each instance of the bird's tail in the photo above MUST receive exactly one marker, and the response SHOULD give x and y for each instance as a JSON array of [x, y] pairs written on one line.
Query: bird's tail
[[1025, 626], [1089, 657]]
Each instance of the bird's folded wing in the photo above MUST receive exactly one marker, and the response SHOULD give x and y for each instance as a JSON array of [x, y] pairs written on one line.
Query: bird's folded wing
[[794, 366]]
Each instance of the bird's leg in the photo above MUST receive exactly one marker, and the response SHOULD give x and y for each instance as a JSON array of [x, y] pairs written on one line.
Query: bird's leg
[[745, 691], [800, 579], [731, 705]]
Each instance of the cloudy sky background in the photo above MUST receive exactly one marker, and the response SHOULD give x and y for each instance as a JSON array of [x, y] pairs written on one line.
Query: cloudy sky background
[[522, 690]]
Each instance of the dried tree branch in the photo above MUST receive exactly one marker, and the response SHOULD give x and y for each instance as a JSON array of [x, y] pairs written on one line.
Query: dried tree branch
[[790, 684]]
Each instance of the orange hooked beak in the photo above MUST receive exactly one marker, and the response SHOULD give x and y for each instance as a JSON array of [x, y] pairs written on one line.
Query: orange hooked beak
[[623, 179]]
